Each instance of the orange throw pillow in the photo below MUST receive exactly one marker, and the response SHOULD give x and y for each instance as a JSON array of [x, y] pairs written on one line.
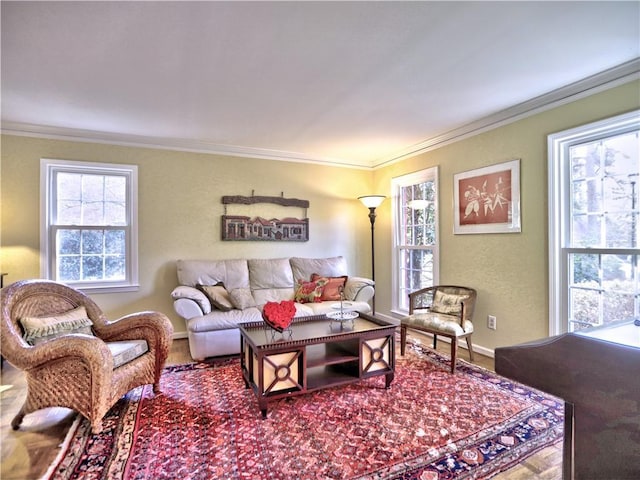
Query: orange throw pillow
[[331, 290]]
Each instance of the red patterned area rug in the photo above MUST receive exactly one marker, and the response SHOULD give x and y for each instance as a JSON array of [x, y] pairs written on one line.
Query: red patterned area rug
[[429, 425]]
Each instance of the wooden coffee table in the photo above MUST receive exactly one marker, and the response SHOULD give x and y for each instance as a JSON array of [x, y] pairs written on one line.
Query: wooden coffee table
[[315, 353]]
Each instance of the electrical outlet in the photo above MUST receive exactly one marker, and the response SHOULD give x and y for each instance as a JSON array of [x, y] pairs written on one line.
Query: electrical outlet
[[491, 322]]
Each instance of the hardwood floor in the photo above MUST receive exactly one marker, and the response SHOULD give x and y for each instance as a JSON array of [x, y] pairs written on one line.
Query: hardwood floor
[[28, 452]]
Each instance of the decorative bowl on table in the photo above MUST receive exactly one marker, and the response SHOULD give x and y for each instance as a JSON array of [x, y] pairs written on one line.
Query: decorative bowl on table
[[342, 315], [279, 315]]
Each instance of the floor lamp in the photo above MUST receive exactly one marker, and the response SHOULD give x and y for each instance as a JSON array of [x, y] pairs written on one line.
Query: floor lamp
[[372, 202]]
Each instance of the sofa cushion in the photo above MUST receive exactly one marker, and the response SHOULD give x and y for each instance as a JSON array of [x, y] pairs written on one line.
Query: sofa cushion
[[270, 273], [310, 292], [305, 309], [40, 329], [233, 273], [218, 320], [333, 287], [242, 298], [271, 280], [218, 296], [303, 268]]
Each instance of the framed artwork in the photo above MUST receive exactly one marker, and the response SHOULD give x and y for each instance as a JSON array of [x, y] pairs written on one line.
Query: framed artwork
[[246, 228], [487, 200]]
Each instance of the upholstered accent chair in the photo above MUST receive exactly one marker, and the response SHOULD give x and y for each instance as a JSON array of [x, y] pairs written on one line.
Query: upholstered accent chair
[[445, 310], [72, 355]]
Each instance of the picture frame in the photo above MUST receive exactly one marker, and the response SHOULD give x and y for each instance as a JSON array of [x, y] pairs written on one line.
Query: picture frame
[[487, 199]]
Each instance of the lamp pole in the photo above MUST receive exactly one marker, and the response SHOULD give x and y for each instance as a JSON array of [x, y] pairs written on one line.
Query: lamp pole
[[372, 202], [372, 219]]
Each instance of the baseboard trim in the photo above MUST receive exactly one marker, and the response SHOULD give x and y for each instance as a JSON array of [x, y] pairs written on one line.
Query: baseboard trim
[[179, 335]]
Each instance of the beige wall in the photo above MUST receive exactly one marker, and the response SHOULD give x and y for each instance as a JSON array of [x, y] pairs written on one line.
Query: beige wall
[[180, 209], [510, 271]]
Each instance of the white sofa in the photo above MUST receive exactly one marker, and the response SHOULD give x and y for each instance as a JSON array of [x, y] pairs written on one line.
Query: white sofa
[[213, 332]]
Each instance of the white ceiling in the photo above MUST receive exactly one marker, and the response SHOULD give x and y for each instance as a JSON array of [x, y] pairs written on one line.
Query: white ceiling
[[355, 83]]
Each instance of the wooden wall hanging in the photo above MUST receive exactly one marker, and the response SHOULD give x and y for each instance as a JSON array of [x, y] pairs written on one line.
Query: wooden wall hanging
[[244, 228]]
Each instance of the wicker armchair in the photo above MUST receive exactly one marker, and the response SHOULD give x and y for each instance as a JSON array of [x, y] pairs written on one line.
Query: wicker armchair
[[445, 310], [77, 370]]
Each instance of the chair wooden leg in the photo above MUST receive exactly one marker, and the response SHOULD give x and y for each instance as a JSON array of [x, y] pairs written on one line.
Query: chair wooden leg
[[17, 420], [470, 345], [403, 338], [435, 341], [454, 352]]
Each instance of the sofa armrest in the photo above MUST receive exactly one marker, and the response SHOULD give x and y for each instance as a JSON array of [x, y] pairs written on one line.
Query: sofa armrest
[[359, 289], [190, 302], [187, 308]]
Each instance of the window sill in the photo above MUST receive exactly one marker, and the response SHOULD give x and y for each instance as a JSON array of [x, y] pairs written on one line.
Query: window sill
[[106, 288], [399, 314]]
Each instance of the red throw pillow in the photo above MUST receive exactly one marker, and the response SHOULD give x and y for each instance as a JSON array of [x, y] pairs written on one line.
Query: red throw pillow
[[309, 292], [331, 290]]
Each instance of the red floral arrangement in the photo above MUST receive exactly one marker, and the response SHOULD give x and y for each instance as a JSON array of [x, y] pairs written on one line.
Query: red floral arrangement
[[279, 315]]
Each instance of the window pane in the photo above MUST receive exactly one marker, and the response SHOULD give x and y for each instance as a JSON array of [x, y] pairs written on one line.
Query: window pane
[[617, 306], [621, 230], [584, 307], [92, 267], [603, 288], [86, 255], [586, 230], [418, 214], [69, 268], [584, 269], [115, 242], [587, 196], [416, 272], [92, 241], [84, 199], [114, 268], [604, 207], [69, 199], [69, 242], [115, 201]]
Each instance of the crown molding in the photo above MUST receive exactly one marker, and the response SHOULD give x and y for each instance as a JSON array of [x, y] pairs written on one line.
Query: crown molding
[[616, 76], [611, 78], [175, 144]]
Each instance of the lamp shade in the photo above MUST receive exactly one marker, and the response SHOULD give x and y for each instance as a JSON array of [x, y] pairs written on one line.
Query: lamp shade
[[372, 201]]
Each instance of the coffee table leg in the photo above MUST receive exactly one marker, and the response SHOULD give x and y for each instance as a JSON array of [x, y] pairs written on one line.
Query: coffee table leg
[[388, 378], [263, 407]]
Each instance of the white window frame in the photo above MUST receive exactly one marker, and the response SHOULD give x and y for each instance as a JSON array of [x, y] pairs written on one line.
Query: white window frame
[[48, 170], [559, 221], [428, 174]]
